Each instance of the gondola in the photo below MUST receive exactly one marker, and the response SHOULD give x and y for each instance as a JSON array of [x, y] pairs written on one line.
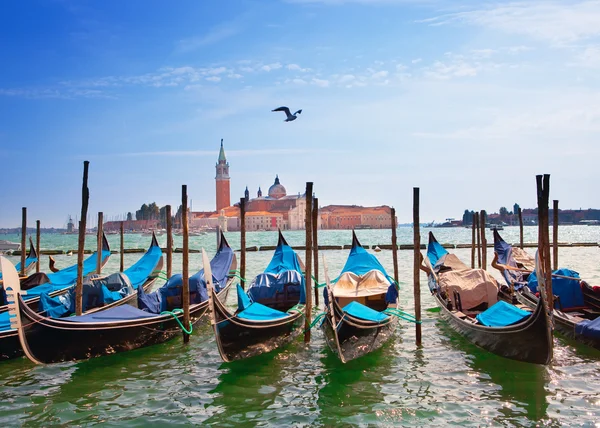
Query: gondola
[[270, 315], [359, 306], [575, 314], [98, 293], [475, 311], [47, 340], [30, 260]]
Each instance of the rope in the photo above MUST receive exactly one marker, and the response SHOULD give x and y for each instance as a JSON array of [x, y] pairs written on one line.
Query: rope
[[296, 308], [174, 315], [317, 319], [402, 315]]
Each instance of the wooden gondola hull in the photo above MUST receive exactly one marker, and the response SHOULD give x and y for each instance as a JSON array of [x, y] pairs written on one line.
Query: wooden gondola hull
[[529, 341], [53, 341], [239, 338]]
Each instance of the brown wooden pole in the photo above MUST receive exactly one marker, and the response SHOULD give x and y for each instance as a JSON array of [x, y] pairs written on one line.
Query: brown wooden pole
[[122, 247], [394, 245], [521, 227], [307, 261], [242, 241], [85, 197], [417, 264], [169, 241], [483, 240], [473, 243], [185, 270], [23, 239], [38, 238], [478, 241], [555, 234], [99, 247], [315, 230], [543, 192]]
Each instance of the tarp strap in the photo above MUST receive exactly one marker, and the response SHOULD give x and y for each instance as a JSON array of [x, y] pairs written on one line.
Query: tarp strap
[[318, 318], [296, 308], [174, 313], [402, 315]]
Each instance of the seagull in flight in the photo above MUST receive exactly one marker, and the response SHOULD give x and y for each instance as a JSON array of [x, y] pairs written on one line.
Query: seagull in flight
[[290, 116]]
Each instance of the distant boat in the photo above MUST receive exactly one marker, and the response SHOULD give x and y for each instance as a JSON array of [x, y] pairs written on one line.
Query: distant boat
[[9, 246], [494, 226]]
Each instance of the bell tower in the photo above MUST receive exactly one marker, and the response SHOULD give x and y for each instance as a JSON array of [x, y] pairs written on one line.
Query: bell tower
[[222, 181]]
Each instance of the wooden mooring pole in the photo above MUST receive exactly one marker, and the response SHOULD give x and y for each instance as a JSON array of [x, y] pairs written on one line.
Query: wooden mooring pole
[[394, 245], [185, 267], [417, 264], [543, 193], [483, 240], [242, 242], [478, 240], [307, 262], [315, 230], [521, 227], [38, 238], [23, 239], [122, 248], [169, 241], [85, 197], [99, 245], [473, 241], [555, 234]]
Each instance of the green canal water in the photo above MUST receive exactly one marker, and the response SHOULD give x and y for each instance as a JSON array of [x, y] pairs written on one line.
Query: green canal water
[[447, 381]]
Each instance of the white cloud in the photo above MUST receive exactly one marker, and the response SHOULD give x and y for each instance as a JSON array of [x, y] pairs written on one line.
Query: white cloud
[[346, 78], [270, 67], [417, 60], [215, 35], [379, 74], [320, 82], [213, 79]]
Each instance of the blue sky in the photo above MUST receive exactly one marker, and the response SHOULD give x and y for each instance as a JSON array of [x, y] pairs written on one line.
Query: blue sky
[[466, 100]]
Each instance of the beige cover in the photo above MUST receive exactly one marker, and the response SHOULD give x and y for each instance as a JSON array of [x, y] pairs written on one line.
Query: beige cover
[[523, 258], [450, 261], [352, 285], [475, 286]]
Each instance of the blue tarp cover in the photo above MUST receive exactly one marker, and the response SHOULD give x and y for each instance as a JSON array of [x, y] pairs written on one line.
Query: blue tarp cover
[[283, 269], [569, 290], [505, 257], [243, 299], [143, 268], [118, 313], [361, 311], [435, 251], [158, 301], [502, 314], [5, 321], [259, 312], [589, 328]]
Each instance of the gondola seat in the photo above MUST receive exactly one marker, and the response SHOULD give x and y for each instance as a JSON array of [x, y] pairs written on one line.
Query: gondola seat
[[255, 311], [502, 314]]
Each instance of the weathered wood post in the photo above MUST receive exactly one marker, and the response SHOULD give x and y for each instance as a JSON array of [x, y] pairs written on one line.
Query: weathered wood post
[[473, 243], [38, 238], [543, 193], [185, 269], [555, 234], [315, 230], [478, 240], [307, 261], [482, 220], [169, 241], [242, 241], [99, 245], [394, 246], [122, 248], [417, 264], [521, 227], [23, 239], [85, 197]]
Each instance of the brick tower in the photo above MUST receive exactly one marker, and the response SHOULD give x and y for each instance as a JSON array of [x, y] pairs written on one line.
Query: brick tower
[[222, 179]]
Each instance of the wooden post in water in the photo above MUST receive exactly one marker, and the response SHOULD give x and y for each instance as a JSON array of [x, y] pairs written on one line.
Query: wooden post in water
[[417, 264], [99, 247], [555, 234], [307, 261], [38, 238], [315, 230], [85, 197], [185, 269], [543, 195], [483, 240], [122, 247], [394, 246], [521, 227], [478, 240], [473, 240], [242, 241], [169, 241], [23, 239]]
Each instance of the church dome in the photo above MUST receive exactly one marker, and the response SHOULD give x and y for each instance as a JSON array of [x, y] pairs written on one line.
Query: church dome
[[277, 190]]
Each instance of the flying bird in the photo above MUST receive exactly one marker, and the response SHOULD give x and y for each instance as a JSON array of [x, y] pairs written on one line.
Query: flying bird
[[290, 116]]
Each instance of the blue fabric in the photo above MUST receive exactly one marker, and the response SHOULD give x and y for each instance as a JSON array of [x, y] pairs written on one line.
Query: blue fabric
[[284, 269], [363, 312], [589, 328], [5, 321], [243, 300], [259, 312], [118, 313], [505, 257], [392, 294], [54, 307], [360, 261], [158, 301], [569, 290], [138, 273], [434, 250], [502, 314]]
